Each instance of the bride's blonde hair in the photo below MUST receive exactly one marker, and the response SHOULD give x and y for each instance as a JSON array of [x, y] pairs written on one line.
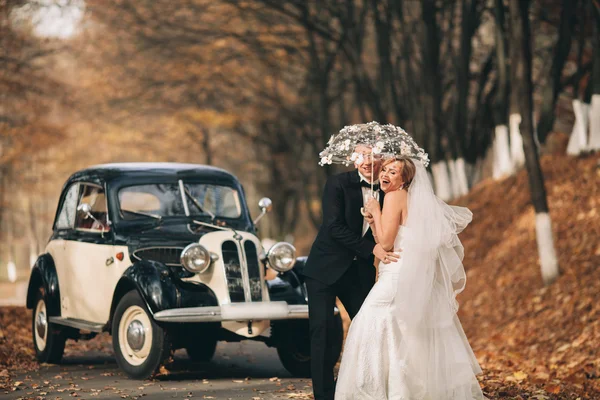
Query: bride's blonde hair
[[408, 169]]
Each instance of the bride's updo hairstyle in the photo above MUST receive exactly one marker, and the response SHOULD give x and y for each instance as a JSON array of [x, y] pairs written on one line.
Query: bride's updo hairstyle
[[408, 169]]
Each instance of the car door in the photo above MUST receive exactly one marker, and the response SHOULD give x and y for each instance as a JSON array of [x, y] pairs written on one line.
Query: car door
[[63, 228], [91, 271]]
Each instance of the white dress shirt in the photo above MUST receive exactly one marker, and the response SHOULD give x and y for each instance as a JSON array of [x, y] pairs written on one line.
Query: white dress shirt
[[366, 195]]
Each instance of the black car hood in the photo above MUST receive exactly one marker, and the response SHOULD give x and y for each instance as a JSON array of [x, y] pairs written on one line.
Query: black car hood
[[167, 235]]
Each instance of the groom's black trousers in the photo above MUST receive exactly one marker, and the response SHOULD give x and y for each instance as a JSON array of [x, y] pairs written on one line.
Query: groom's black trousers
[[352, 289]]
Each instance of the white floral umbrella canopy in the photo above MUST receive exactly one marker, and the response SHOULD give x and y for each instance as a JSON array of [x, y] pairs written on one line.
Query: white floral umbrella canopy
[[385, 141]]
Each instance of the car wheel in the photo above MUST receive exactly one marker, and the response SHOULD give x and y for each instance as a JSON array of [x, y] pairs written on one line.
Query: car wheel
[[294, 346], [203, 350], [140, 345], [48, 340]]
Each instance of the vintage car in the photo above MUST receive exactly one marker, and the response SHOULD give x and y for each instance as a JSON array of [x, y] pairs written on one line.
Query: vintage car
[[165, 256]]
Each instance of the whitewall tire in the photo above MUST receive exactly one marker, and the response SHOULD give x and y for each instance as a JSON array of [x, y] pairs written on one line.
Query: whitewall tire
[[48, 340], [140, 345]]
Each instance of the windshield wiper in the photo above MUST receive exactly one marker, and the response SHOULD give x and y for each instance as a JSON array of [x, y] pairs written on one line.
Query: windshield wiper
[[143, 214], [184, 190], [198, 205]]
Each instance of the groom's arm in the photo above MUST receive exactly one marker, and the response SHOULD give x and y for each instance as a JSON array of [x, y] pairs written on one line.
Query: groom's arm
[[334, 221]]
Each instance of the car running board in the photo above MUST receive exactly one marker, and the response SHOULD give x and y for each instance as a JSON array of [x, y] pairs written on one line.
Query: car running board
[[77, 323]]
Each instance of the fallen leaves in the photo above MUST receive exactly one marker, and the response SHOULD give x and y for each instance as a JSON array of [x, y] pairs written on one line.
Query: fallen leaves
[[517, 377], [530, 338]]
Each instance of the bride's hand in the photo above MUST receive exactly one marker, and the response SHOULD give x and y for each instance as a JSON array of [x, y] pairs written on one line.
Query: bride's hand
[[372, 206]]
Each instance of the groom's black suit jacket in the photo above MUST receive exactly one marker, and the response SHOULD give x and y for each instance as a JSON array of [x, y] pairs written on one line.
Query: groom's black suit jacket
[[339, 239]]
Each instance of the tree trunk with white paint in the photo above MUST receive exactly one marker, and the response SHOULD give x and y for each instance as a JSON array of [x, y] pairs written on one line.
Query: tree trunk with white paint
[[578, 139], [594, 118], [11, 266], [463, 182], [546, 250], [516, 142], [31, 232], [441, 178], [521, 79], [502, 165], [458, 177], [453, 178]]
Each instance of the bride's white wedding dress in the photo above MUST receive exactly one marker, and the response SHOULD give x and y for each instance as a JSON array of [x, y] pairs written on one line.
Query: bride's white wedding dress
[[390, 353]]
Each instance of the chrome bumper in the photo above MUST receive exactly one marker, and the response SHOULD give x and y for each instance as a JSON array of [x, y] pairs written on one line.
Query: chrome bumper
[[268, 310]]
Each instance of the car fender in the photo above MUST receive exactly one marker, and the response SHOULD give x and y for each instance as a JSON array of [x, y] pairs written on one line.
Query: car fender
[[289, 286], [160, 288], [43, 274]]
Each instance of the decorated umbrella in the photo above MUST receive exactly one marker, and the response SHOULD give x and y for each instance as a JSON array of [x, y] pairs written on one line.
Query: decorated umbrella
[[384, 140]]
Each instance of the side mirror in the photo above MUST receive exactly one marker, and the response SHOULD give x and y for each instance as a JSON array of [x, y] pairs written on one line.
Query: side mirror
[[86, 209], [265, 204]]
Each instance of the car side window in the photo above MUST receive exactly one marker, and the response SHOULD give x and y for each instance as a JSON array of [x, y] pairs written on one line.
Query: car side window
[[93, 196], [66, 218]]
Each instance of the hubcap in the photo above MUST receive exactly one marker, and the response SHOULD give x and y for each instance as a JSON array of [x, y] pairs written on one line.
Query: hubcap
[[136, 335], [41, 325]]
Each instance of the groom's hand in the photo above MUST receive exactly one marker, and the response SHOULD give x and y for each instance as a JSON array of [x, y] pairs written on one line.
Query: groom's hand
[[386, 256]]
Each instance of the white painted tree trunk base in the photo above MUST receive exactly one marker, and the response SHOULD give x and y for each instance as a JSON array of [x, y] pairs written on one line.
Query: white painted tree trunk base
[[461, 167], [453, 178], [594, 117], [501, 153], [461, 171], [11, 272], [441, 178], [546, 250], [578, 139], [517, 154]]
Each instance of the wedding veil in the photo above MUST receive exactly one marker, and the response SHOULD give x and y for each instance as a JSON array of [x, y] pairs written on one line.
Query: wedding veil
[[432, 253], [432, 274]]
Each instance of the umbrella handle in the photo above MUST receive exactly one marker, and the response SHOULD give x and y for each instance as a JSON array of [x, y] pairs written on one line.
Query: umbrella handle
[[372, 169]]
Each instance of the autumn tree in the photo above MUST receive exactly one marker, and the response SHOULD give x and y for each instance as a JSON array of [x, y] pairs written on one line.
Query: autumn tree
[[521, 57], [27, 95]]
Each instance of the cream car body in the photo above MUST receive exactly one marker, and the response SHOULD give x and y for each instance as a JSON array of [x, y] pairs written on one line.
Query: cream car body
[[164, 256]]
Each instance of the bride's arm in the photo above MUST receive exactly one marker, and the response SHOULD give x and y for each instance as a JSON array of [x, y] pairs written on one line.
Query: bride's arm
[[387, 221]]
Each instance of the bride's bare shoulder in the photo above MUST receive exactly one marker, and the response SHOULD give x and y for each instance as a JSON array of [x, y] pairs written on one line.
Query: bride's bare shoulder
[[396, 194], [395, 197]]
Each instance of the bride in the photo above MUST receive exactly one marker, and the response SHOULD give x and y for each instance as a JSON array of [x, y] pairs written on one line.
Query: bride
[[406, 342]]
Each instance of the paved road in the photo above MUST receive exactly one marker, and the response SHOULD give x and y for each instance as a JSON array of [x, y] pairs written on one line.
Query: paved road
[[247, 370]]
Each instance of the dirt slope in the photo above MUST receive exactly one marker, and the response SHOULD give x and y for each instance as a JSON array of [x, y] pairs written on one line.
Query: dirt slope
[[525, 334]]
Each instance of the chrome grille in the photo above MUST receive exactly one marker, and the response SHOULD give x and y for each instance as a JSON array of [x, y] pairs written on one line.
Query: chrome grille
[[233, 272], [253, 271], [166, 255]]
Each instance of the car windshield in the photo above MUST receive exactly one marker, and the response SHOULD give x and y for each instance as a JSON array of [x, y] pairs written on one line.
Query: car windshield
[[165, 200]]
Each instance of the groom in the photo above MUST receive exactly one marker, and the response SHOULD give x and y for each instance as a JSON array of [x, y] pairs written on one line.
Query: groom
[[340, 264]]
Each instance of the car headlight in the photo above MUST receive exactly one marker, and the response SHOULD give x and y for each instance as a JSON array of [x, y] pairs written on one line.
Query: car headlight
[[282, 257], [195, 258]]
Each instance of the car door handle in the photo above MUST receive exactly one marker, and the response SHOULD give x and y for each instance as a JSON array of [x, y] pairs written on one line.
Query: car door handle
[[109, 261]]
